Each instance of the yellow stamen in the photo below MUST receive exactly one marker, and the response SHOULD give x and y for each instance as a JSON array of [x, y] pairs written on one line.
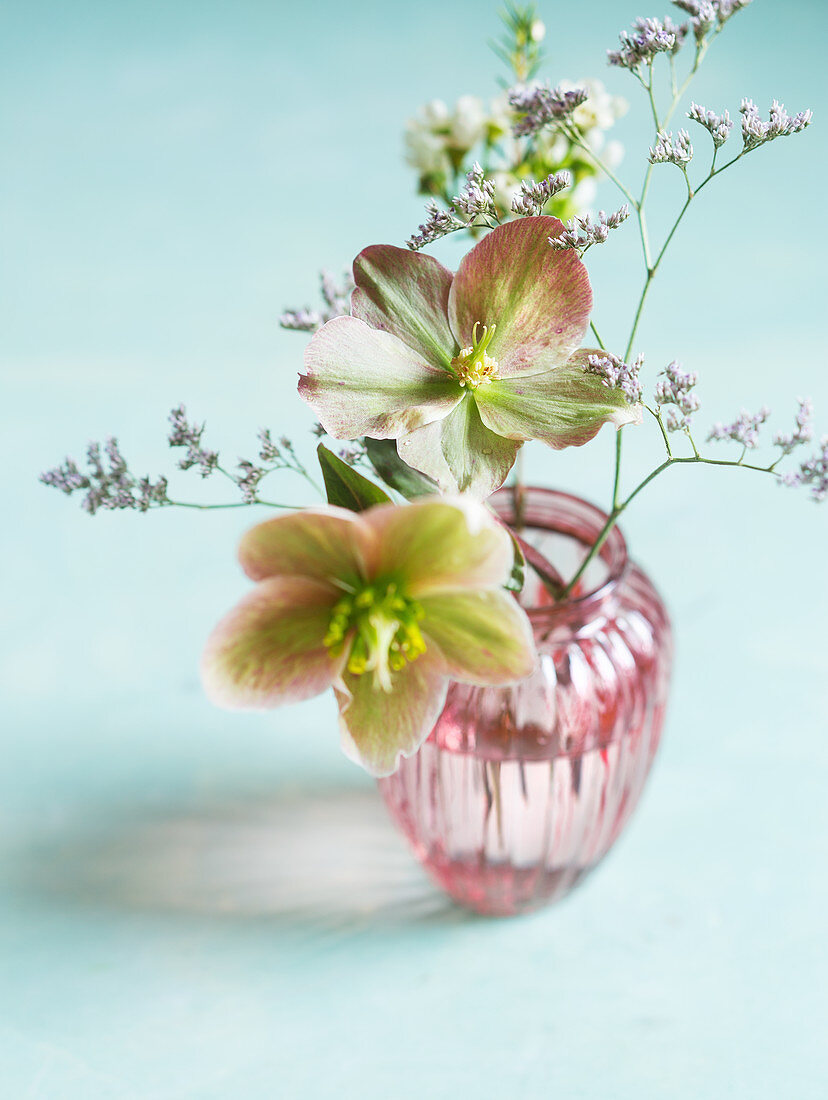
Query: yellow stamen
[[474, 366], [380, 624]]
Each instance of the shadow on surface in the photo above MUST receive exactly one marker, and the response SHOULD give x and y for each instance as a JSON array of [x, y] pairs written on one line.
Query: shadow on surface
[[328, 857]]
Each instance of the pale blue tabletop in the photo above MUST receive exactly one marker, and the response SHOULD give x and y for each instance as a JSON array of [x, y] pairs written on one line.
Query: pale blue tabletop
[[208, 905]]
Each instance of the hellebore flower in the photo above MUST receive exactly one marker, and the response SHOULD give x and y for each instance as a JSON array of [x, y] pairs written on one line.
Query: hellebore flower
[[385, 606], [462, 369]]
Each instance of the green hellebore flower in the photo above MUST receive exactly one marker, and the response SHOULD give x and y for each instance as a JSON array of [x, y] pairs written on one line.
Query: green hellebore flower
[[462, 369], [385, 606]]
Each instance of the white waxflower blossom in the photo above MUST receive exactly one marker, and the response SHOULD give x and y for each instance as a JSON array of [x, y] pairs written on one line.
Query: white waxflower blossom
[[426, 152], [537, 32], [552, 146], [501, 115], [425, 139], [600, 110], [434, 114], [507, 188], [613, 154], [467, 124], [583, 194]]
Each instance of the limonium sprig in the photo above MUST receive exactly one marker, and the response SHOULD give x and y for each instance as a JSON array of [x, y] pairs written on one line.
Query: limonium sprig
[[539, 106], [534, 197], [108, 484], [812, 473], [675, 391], [803, 431], [473, 208], [582, 232], [335, 294]]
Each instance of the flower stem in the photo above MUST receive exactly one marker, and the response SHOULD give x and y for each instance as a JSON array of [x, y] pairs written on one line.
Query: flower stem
[[519, 494], [598, 339], [621, 507], [216, 507]]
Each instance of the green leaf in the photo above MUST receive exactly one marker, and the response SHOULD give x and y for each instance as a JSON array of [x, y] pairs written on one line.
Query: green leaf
[[517, 578], [382, 454], [345, 487]]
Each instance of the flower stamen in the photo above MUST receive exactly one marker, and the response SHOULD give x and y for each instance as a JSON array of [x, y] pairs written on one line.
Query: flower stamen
[[380, 624], [474, 366]]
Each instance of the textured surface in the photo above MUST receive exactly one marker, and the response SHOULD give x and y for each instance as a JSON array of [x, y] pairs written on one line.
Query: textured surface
[[201, 905]]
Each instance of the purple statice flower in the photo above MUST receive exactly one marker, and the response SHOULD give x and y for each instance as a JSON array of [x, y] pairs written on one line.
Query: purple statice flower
[[108, 483], [185, 434], [718, 126], [534, 196], [268, 450], [248, 479], [476, 200], [704, 18], [477, 197], [581, 232], [672, 150], [802, 433], [352, 454], [539, 106], [648, 38], [812, 473], [705, 12], [618, 375], [744, 430], [437, 224], [674, 388], [336, 297], [726, 8], [755, 132]]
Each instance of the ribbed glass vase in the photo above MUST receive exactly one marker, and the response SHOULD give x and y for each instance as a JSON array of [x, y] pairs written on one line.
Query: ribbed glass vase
[[520, 791]]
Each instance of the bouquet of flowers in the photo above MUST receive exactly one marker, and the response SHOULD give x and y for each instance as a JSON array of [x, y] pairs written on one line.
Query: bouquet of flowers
[[403, 579]]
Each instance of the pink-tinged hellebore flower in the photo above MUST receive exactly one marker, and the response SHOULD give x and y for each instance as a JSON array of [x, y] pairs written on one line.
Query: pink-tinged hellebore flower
[[462, 369], [385, 606]]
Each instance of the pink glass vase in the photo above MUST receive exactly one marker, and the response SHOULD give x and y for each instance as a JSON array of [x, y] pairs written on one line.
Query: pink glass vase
[[520, 791]]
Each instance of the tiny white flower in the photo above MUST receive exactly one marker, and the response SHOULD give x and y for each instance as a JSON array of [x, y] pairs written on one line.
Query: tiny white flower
[[435, 113], [613, 154], [501, 115], [507, 187], [583, 194], [426, 152], [468, 122]]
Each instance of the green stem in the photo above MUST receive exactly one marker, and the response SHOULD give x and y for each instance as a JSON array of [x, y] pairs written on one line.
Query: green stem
[[616, 484], [658, 419], [215, 507], [600, 342], [519, 492], [575, 136], [652, 267], [619, 509]]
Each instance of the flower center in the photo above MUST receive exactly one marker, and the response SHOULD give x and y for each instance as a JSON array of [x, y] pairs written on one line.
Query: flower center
[[380, 624], [473, 365]]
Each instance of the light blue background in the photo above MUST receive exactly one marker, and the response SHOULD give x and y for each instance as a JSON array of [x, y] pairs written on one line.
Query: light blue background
[[208, 905]]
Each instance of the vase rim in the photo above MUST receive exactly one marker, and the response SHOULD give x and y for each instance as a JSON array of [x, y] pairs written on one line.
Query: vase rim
[[564, 513]]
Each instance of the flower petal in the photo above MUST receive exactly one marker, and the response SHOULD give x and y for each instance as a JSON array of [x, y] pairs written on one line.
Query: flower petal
[[361, 381], [564, 407], [379, 727], [269, 649], [331, 545], [485, 637], [438, 544], [539, 298], [460, 453], [406, 293]]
